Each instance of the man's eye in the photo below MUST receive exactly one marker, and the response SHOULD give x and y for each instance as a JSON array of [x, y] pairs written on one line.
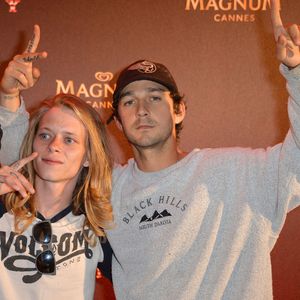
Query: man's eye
[[155, 98], [128, 102]]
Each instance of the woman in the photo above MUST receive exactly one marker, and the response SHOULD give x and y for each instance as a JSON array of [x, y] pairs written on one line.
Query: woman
[[50, 246]]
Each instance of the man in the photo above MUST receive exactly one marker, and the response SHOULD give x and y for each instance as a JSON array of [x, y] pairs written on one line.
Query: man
[[199, 225]]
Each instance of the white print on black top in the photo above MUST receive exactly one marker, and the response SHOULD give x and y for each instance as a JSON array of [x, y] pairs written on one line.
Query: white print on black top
[[69, 247], [164, 203]]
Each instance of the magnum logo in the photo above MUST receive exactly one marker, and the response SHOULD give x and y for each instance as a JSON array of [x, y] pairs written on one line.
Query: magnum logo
[[12, 5], [98, 94], [229, 10]]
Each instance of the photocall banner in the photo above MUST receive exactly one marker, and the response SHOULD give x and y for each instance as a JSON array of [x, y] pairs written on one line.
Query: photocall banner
[[220, 52]]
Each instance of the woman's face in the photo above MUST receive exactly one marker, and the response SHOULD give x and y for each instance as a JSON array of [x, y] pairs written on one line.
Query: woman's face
[[61, 144]]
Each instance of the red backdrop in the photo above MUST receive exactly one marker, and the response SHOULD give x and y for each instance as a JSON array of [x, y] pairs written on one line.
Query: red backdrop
[[222, 57]]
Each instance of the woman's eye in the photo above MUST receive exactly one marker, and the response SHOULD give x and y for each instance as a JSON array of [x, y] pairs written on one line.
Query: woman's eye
[[44, 136], [69, 140]]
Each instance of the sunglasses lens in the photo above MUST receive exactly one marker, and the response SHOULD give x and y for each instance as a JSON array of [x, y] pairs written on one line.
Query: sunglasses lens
[[42, 232], [45, 262]]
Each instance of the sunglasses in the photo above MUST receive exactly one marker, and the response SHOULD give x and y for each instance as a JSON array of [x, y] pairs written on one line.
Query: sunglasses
[[45, 261]]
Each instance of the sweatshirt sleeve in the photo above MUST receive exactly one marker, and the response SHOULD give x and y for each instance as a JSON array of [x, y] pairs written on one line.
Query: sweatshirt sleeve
[[14, 126], [293, 87], [289, 160]]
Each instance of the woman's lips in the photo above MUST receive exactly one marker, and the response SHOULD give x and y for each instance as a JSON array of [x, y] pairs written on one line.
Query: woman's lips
[[51, 161]]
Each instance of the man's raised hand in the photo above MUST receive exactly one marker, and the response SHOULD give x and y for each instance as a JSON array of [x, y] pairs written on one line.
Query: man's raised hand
[[287, 39], [20, 73]]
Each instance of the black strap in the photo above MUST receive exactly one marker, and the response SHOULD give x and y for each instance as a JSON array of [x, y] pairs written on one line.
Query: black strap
[[2, 208], [1, 134], [58, 216]]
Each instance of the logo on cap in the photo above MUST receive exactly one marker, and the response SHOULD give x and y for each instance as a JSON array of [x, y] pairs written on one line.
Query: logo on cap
[[144, 67]]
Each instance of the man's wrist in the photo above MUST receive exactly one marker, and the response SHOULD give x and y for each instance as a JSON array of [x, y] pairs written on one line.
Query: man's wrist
[[291, 68], [6, 97], [10, 101]]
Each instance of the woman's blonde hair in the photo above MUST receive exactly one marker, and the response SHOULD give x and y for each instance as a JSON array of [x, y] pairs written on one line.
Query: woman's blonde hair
[[92, 193]]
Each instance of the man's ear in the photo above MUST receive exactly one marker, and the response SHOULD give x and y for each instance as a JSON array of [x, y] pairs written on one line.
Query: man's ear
[[118, 123], [180, 112]]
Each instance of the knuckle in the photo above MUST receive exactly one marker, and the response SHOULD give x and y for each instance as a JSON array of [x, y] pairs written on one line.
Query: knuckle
[[16, 187], [16, 57], [5, 168], [20, 76], [11, 66], [28, 69]]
